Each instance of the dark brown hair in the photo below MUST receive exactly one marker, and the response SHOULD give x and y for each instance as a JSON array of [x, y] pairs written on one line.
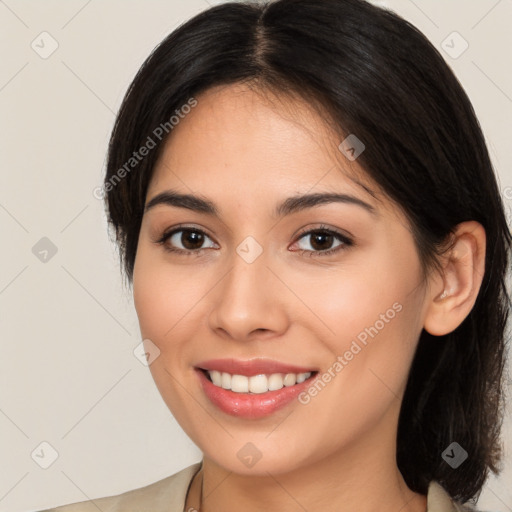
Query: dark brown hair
[[377, 76]]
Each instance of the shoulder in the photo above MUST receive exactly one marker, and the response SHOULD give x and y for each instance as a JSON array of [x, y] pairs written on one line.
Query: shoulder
[[166, 495], [438, 500]]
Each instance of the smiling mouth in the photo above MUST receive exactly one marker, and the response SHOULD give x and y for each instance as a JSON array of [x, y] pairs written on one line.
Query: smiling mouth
[[256, 384]]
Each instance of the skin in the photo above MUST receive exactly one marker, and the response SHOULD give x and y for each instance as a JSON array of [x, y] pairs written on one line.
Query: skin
[[247, 153]]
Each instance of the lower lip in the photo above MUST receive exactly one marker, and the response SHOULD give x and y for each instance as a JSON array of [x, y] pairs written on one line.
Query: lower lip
[[251, 405]]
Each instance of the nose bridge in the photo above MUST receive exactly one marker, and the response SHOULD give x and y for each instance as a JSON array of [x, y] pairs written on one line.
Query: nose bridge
[[248, 272], [246, 299]]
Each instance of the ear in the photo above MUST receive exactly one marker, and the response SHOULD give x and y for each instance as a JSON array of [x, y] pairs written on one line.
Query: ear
[[452, 296]]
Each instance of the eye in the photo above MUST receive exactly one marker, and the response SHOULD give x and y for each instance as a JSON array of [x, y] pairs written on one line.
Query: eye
[[185, 240], [321, 242], [189, 241]]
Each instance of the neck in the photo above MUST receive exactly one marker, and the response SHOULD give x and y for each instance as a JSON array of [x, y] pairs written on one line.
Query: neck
[[326, 486], [361, 475]]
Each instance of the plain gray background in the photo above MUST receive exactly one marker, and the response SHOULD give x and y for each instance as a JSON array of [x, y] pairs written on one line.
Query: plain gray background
[[71, 387]]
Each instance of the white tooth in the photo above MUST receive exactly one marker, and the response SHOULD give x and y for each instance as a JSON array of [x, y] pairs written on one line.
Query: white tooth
[[275, 382], [226, 380], [258, 384], [289, 379], [216, 377], [240, 383], [301, 377]]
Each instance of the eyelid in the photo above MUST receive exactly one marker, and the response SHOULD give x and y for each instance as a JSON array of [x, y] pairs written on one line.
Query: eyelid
[[323, 227], [167, 233]]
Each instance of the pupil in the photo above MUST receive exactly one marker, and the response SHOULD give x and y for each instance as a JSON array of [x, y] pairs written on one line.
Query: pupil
[[191, 236], [323, 238]]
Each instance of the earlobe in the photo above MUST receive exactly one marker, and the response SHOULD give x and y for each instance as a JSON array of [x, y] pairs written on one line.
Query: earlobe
[[452, 298]]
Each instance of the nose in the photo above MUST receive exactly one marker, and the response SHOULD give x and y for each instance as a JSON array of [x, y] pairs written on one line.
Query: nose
[[249, 301]]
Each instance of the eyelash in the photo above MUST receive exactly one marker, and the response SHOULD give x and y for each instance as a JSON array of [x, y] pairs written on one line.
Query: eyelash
[[346, 241]]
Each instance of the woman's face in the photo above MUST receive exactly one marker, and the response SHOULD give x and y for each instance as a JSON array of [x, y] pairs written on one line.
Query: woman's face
[[262, 287]]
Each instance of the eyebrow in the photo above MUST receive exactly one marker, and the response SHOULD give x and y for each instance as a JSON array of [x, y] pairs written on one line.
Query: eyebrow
[[288, 206]]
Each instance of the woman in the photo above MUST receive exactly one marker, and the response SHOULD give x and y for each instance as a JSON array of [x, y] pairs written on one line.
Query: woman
[[305, 206]]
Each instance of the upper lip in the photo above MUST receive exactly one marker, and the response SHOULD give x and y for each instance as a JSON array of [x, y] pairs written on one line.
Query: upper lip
[[251, 367]]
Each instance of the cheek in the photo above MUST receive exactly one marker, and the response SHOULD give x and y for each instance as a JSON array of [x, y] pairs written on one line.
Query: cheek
[[165, 296], [152, 295], [369, 311], [354, 297], [375, 327]]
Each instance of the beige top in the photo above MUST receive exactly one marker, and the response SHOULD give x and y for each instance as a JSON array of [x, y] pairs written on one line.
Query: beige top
[[169, 494]]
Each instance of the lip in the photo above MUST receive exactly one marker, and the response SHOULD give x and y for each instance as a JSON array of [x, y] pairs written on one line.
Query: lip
[[251, 367], [251, 405]]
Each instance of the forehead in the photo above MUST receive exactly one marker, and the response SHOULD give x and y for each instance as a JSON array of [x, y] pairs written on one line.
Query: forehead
[[238, 138]]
